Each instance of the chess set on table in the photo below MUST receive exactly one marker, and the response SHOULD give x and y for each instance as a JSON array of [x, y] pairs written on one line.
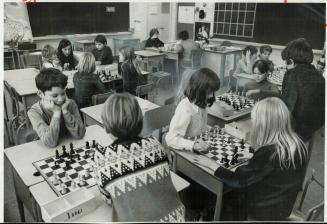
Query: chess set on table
[[277, 76], [66, 172], [237, 100], [106, 75], [225, 149]]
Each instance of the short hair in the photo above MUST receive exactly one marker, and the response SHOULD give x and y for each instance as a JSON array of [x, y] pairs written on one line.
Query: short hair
[[50, 77], [122, 116], [48, 52], [127, 52], [262, 66], [101, 39], [183, 35], [153, 31], [299, 50], [264, 48], [250, 48], [86, 63], [202, 81]]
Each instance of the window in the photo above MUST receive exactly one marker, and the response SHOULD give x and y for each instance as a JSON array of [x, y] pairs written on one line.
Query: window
[[234, 19]]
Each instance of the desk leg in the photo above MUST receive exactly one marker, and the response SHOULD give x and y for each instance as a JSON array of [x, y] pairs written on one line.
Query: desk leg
[[20, 203], [25, 111], [216, 216]]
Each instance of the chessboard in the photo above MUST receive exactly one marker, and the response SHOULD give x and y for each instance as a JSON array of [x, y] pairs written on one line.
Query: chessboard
[[68, 171], [106, 75], [277, 76], [225, 149], [238, 101]]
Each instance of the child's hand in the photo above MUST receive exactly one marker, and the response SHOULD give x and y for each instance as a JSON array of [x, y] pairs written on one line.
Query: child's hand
[[200, 146], [65, 105], [66, 66], [252, 92], [244, 156], [206, 162], [50, 105], [98, 63]]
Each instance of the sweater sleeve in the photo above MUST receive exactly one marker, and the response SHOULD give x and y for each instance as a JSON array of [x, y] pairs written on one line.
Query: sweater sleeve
[[272, 91], [99, 85], [48, 134], [73, 121], [107, 59], [290, 92], [175, 138], [258, 167]]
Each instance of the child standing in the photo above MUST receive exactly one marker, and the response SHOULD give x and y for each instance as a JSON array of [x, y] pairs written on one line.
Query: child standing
[[130, 70], [49, 58], [133, 172], [55, 114], [303, 89], [265, 52], [262, 88], [273, 176], [65, 55], [87, 83], [102, 52]]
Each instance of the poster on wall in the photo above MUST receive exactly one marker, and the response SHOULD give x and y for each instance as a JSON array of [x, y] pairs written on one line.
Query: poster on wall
[[186, 14], [201, 31]]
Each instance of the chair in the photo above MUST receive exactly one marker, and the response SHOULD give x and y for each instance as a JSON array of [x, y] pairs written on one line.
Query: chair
[[143, 90], [31, 61], [315, 213], [196, 58], [157, 119], [100, 98], [158, 76]]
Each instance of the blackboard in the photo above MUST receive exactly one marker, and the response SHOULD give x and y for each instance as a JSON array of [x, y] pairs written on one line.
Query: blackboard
[[279, 23], [62, 18]]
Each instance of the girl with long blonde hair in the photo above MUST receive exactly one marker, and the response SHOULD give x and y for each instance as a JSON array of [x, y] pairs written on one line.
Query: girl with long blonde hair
[[271, 179]]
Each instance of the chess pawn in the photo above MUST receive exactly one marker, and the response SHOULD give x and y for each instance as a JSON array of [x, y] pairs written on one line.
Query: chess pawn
[[87, 173], [55, 179], [81, 180], [64, 190], [73, 185], [67, 177]]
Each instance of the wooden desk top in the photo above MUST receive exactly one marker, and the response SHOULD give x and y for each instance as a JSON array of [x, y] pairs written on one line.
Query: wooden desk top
[[22, 156], [145, 53], [95, 111], [44, 194], [20, 74]]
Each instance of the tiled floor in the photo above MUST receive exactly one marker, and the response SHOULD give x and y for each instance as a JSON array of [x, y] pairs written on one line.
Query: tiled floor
[[314, 196]]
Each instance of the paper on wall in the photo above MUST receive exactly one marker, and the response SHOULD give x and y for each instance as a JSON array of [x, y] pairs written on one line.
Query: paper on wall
[[186, 14]]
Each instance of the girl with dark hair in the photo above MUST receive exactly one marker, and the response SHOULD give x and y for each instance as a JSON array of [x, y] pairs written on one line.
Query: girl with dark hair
[[153, 40], [262, 88], [65, 55], [190, 118], [303, 88]]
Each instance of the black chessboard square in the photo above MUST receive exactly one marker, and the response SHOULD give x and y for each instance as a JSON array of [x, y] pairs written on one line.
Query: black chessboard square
[[44, 166], [79, 168], [83, 162], [67, 168], [61, 175], [49, 174], [74, 175], [49, 160], [79, 150], [55, 167], [68, 183]]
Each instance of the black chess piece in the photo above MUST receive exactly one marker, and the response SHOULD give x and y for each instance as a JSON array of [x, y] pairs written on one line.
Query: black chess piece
[[71, 156], [57, 154], [235, 149], [242, 144], [93, 144], [64, 153], [222, 160], [56, 164], [251, 150], [87, 145], [71, 145], [67, 164], [229, 140], [226, 163], [78, 157]]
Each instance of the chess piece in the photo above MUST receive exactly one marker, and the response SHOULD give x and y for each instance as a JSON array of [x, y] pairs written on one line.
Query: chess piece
[[64, 190], [66, 177], [57, 154], [93, 144], [251, 150], [87, 173], [73, 185], [235, 149], [55, 179], [87, 145], [67, 165], [81, 180], [72, 148], [56, 164], [64, 153]]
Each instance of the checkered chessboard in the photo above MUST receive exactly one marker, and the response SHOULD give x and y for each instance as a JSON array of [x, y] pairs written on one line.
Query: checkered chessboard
[[277, 76], [81, 165], [222, 148], [237, 101]]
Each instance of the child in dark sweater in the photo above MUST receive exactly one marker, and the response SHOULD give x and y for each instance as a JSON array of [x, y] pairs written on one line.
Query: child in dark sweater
[[102, 52]]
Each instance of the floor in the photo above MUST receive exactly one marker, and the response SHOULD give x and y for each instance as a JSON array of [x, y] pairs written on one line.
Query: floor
[[314, 196]]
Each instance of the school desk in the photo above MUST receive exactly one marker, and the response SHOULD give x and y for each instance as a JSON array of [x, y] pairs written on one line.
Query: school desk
[[26, 185], [152, 60], [92, 115], [42, 194]]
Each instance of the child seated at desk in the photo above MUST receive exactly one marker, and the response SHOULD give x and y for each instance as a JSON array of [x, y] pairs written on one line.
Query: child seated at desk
[[49, 58], [265, 52], [273, 177], [66, 56], [55, 114], [86, 82], [153, 40], [262, 88], [244, 65], [102, 52], [130, 70], [133, 172]]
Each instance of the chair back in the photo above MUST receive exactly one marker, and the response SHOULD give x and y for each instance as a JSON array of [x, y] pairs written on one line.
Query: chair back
[[142, 90], [31, 61], [196, 57], [157, 118], [100, 98]]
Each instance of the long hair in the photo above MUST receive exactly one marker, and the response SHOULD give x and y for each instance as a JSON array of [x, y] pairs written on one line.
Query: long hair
[[130, 58], [202, 81], [62, 58], [122, 116], [86, 63], [272, 126], [48, 52]]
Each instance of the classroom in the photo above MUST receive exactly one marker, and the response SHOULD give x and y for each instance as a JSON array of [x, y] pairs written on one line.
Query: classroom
[[164, 111]]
